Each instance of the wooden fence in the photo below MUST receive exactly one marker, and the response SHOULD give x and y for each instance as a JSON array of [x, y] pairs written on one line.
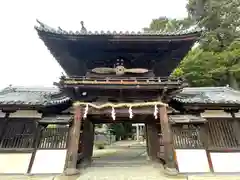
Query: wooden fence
[[216, 134], [27, 136]]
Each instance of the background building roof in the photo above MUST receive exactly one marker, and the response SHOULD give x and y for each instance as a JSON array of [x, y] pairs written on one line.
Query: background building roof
[[43, 96], [209, 95], [31, 96]]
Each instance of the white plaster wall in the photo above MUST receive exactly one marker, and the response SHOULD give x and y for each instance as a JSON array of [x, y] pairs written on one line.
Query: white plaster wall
[[14, 163], [192, 160], [226, 162], [25, 114], [49, 161], [215, 113], [237, 115]]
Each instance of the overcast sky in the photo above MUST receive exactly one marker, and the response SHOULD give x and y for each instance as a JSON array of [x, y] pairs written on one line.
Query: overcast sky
[[25, 61]]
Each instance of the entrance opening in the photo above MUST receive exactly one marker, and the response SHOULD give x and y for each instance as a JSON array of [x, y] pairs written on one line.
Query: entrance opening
[[119, 144]]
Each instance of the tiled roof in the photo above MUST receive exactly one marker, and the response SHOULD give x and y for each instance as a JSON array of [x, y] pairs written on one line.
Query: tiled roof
[[51, 96], [31, 96], [209, 95], [46, 28]]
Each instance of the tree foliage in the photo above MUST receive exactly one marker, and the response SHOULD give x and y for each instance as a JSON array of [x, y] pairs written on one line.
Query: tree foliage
[[216, 59], [118, 130], [169, 25]]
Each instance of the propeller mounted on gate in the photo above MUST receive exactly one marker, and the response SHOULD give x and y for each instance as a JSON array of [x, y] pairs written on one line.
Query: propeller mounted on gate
[[119, 70]]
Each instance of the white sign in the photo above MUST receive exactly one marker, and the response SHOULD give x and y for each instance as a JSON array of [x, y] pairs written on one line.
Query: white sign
[[192, 160], [49, 161], [226, 162], [2, 114], [14, 163]]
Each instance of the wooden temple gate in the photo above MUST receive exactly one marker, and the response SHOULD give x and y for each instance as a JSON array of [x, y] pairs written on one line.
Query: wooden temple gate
[[165, 138], [142, 73], [80, 147]]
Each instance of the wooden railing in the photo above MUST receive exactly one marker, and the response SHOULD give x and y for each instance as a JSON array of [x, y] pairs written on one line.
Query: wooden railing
[[187, 137], [18, 135], [54, 138], [121, 80], [221, 134]]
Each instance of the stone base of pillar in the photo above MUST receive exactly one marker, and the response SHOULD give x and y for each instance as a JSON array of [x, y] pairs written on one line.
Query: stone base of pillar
[[71, 172], [170, 171], [86, 163]]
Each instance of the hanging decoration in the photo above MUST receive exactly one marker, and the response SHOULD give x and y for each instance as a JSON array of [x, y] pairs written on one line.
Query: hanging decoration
[[155, 112], [119, 105], [86, 111], [113, 114], [130, 112]]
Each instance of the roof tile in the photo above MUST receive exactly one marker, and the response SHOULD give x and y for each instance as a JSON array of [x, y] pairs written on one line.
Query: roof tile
[[31, 96], [52, 96], [209, 95], [46, 28]]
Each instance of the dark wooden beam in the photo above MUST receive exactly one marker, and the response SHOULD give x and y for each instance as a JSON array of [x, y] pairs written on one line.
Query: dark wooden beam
[[131, 94], [97, 119], [122, 112], [15, 107], [208, 106], [113, 86]]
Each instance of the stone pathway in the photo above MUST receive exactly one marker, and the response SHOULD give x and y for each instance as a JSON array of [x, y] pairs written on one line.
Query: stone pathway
[[128, 162], [144, 172]]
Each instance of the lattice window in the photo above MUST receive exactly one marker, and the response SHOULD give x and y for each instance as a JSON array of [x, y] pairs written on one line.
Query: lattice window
[[54, 138], [187, 136], [2, 124], [18, 134], [221, 134]]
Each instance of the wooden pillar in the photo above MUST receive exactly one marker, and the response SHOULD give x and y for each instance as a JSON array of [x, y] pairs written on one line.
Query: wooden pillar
[[88, 141], [147, 141], [74, 136], [236, 127], [153, 141], [167, 138]]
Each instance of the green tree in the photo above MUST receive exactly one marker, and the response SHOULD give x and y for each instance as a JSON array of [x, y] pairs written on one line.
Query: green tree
[[209, 68], [165, 24], [220, 19], [215, 61], [118, 130]]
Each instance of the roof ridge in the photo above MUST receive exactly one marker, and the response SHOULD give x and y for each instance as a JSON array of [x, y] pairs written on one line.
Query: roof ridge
[[46, 28], [29, 89], [32, 96]]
